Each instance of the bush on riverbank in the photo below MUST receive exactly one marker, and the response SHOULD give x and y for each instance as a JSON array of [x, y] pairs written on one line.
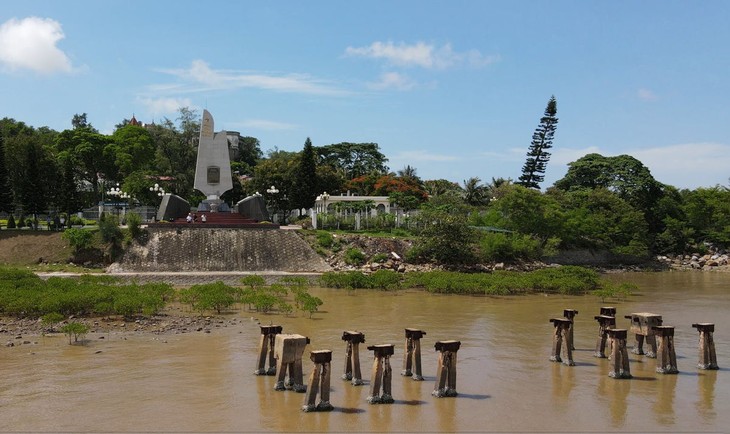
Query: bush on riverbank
[[23, 294], [563, 280]]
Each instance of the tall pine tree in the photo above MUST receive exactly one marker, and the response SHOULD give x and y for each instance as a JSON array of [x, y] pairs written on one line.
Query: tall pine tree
[[537, 155], [304, 188]]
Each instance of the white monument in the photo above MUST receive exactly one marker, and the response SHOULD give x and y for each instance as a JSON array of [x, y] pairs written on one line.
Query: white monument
[[213, 167]]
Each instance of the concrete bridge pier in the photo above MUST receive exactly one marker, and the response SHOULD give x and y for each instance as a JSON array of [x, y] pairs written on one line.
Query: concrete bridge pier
[[666, 362], [382, 375], [708, 357], [642, 327], [266, 347], [352, 357], [288, 351], [446, 374], [605, 322], [619, 354], [570, 314], [560, 334], [412, 356], [319, 382]]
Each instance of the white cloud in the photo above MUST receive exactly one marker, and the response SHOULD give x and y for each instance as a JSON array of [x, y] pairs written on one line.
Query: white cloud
[[30, 43], [563, 156], [688, 165], [393, 80], [646, 95], [421, 54], [263, 124], [201, 77], [164, 106]]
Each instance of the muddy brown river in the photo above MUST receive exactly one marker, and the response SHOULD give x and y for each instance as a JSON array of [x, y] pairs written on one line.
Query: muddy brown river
[[198, 382]]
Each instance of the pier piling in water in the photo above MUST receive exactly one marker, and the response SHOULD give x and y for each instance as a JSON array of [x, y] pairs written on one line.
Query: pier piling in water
[[605, 322], [446, 373], [642, 325], [288, 351], [666, 361], [319, 382], [561, 353], [708, 358], [619, 354], [352, 357], [266, 350], [382, 374], [570, 314], [412, 356]]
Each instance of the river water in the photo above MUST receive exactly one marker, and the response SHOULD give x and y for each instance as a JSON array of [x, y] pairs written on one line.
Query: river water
[[200, 382]]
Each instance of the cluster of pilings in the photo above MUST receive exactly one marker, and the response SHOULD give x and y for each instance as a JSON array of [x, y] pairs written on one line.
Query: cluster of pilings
[[647, 328], [284, 354]]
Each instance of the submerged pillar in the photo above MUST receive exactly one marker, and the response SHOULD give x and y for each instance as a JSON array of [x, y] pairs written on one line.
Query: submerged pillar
[[708, 358], [352, 357], [266, 347], [562, 326], [619, 354], [666, 361], [642, 327], [382, 375], [605, 322], [288, 351], [446, 374], [608, 311], [319, 382], [570, 314], [412, 356]]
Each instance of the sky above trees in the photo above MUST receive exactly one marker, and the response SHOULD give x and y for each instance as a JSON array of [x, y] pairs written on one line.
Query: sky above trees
[[452, 89]]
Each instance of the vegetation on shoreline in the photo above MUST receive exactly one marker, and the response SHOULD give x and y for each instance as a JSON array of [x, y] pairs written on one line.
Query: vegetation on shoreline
[[568, 280], [25, 295]]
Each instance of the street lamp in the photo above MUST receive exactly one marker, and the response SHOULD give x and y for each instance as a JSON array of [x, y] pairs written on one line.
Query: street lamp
[[325, 196], [115, 192], [272, 191], [159, 190]]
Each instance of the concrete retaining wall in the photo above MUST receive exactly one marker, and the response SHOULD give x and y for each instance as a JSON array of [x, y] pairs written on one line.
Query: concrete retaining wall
[[220, 250]]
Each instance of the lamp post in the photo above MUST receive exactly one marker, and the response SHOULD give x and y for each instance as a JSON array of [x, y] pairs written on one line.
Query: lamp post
[[115, 192], [325, 196], [272, 191], [156, 189]]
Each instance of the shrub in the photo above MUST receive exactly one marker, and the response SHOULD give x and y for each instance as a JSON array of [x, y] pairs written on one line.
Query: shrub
[[379, 258], [134, 224], [78, 239], [385, 279], [324, 239], [21, 222], [76, 330], [11, 222], [354, 256]]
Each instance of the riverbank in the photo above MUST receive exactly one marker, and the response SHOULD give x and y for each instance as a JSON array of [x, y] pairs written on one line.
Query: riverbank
[[174, 320]]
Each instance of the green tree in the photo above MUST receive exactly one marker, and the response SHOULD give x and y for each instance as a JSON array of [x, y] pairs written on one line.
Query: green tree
[[68, 199], [132, 149], [708, 214], [440, 187], [32, 189], [475, 193], [353, 159], [249, 151], [625, 176], [527, 211], [6, 193], [445, 238], [537, 155], [304, 187]]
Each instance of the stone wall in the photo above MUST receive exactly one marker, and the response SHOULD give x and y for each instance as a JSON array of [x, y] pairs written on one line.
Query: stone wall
[[220, 250]]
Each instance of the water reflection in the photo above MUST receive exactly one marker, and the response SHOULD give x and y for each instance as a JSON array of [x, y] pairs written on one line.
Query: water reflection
[[706, 394], [664, 406]]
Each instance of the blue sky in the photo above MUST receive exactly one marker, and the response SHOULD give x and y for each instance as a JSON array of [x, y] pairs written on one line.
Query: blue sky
[[453, 88]]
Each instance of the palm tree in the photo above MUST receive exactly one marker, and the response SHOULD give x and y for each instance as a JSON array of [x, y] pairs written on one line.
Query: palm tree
[[475, 193]]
